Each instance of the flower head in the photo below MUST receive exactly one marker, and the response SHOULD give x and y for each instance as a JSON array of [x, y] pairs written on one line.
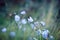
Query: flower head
[[23, 12], [4, 30], [23, 21], [17, 17], [12, 34]]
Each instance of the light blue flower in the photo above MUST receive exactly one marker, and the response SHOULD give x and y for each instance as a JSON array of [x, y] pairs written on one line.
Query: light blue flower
[[36, 23], [12, 34], [45, 34], [23, 12], [4, 30], [23, 21], [17, 18], [43, 23]]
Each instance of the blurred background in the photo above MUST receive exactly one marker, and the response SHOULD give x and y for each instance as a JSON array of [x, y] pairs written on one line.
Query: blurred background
[[43, 10]]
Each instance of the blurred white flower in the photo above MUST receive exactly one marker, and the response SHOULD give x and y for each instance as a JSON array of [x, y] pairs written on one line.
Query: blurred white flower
[[4, 30], [17, 18], [12, 34], [43, 23], [36, 23], [23, 12], [45, 34], [30, 19], [23, 21]]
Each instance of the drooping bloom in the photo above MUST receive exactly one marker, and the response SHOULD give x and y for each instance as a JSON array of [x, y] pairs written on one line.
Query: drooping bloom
[[30, 19], [45, 34], [23, 12], [17, 18], [36, 23], [12, 34], [23, 21], [43, 23], [4, 30]]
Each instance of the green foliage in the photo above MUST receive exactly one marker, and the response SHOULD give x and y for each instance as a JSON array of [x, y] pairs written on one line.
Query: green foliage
[[2, 20]]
